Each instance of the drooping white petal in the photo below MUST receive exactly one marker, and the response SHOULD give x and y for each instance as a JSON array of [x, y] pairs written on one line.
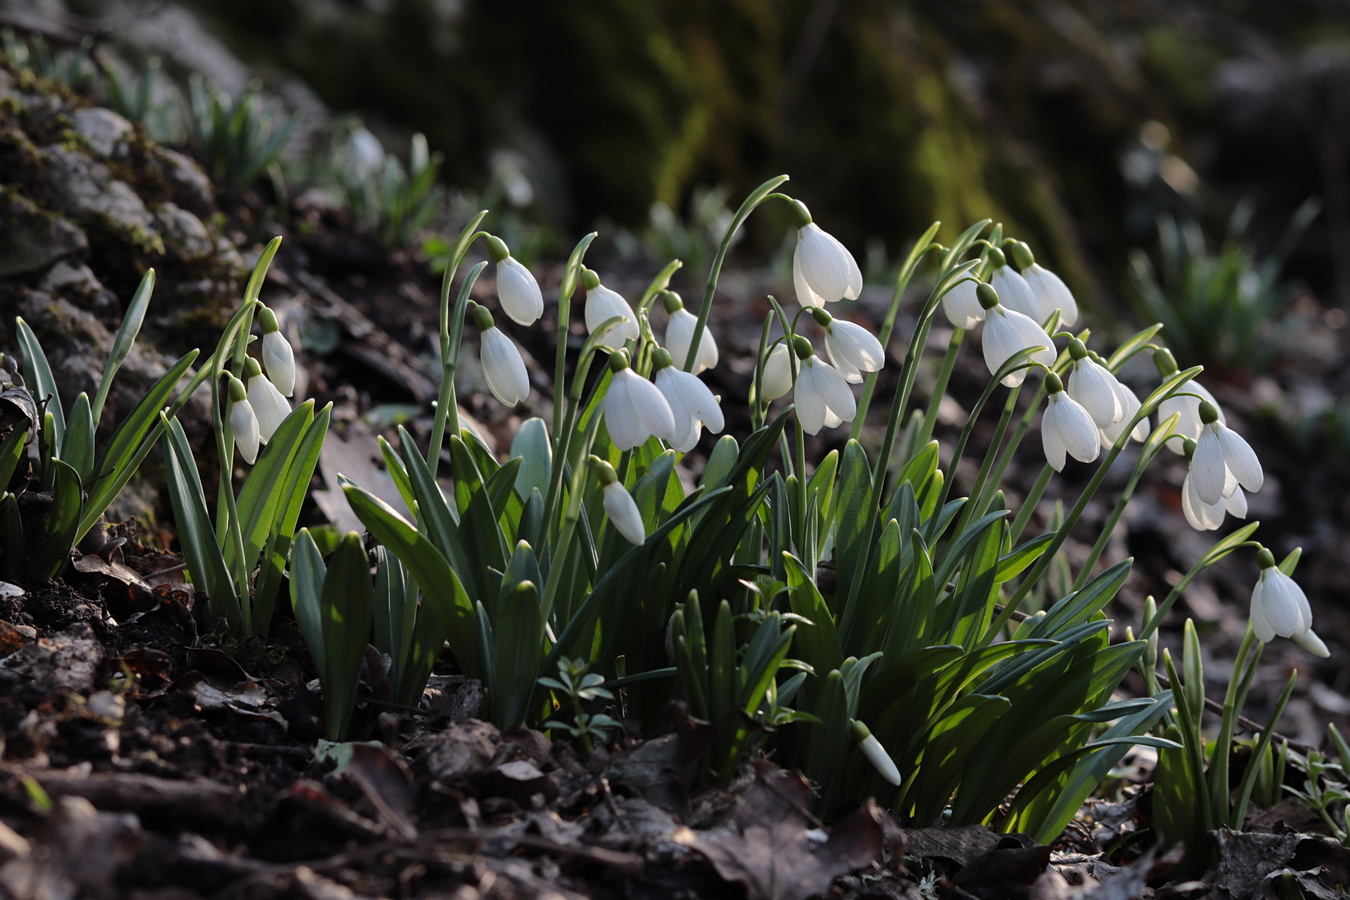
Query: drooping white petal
[[1051, 293], [1129, 405], [1236, 504], [1067, 426], [636, 410], [1261, 626], [244, 424], [1014, 293], [603, 304], [691, 403], [962, 306], [1199, 515], [1309, 641], [519, 292], [1283, 602], [623, 513], [1093, 386], [269, 406], [827, 269], [279, 360], [805, 295], [680, 333], [503, 367], [1053, 444], [777, 373], [1006, 332], [1207, 466], [822, 394], [1240, 458], [853, 350]]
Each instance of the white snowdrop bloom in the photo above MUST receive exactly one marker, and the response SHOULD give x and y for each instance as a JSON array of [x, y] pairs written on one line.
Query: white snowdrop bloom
[[623, 513], [635, 409], [1218, 451], [503, 367], [961, 305], [1279, 606], [1013, 290], [1204, 516], [680, 334], [269, 405], [1129, 405], [603, 304], [1067, 427], [243, 422], [874, 752], [1186, 408], [1008, 332], [1049, 289], [277, 356], [518, 292], [1093, 386], [691, 403], [823, 270], [853, 349], [364, 151], [822, 397], [777, 373]]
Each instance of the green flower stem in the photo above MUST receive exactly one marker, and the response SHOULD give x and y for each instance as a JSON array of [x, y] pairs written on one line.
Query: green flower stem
[[452, 338], [1033, 498], [571, 275], [960, 448], [563, 437], [1109, 527], [1218, 552], [1239, 685], [759, 408], [940, 387], [758, 196], [563, 547], [977, 503]]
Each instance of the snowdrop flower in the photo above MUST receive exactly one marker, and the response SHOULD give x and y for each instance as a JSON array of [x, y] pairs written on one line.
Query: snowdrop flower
[[1219, 451], [503, 366], [1129, 405], [277, 355], [269, 406], [603, 304], [619, 504], [243, 422], [1183, 405], [777, 379], [691, 402], [822, 268], [821, 394], [1204, 516], [875, 753], [364, 151], [1093, 386], [1008, 332], [517, 290], [1280, 608], [1049, 289], [852, 348], [1013, 290], [635, 409], [1067, 426], [680, 334], [961, 304]]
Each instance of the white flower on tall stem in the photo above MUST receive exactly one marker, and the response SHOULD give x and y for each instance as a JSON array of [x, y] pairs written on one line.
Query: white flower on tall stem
[[277, 354], [1093, 386], [852, 348], [875, 753], [269, 405], [503, 367], [1204, 516], [517, 289], [1220, 451], [1007, 333], [603, 304], [777, 378], [1129, 405], [680, 334], [1067, 426], [1013, 291], [1185, 405], [635, 409], [691, 402], [821, 395], [823, 270], [1049, 289], [243, 421], [962, 305], [619, 505], [1280, 608]]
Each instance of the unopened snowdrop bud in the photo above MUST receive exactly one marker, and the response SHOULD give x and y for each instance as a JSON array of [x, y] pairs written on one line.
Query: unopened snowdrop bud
[[875, 753], [777, 373], [1093, 386], [680, 334], [1008, 332], [277, 355], [1013, 291], [822, 396], [503, 367], [1067, 426], [1049, 289], [962, 306], [1280, 608], [823, 270], [269, 406], [517, 289], [603, 304], [243, 421], [691, 402], [635, 409], [619, 504], [1219, 451], [852, 348]]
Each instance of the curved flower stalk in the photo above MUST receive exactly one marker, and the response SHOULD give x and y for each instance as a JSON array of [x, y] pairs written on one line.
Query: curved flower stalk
[[1185, 406], [1280, 608], [961, 304], [680, 333], [243, 421], [1220, 451], [619, 504], [603, 304], [852, 348], [1007, 333], [503, 367], [691, 402], [1093, 386], [269, 405], [635, 409], [1049, 289], [277, 354], [517, 288], [823, 270], [1067, 426], [1013, 291]]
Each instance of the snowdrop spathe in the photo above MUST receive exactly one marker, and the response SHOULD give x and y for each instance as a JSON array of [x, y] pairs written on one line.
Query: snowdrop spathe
[[517, 288], [1067, 427], [691, 402], [635, 409], [269, 405], [680, 334], [1049, 289], [1280, 608], [503, 367], [853, 349], [1220, 451], [603, 304], [619, 505], [243, 421], [1007, 333], [277, 355], [823, 270]]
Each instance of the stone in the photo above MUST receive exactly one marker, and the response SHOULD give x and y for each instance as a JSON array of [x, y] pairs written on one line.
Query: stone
[[184, 235], [188, 185], [105, 131], [34, 238], [86, 190], [76, 282]]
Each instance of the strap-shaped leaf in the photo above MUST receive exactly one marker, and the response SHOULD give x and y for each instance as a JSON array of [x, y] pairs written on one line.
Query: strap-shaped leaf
[[345, 607], [817, 643], [11, 451], [1013, 563], [62, 520], [37, 373], [516, 654], [259, 500], [12, 556], [532, 447], [307, 576], [946, 749], [78, 447], [126, 336], [196, 535]]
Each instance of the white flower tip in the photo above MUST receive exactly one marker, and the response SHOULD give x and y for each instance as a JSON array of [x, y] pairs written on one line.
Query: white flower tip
[[1309, 641], [880, 759]]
